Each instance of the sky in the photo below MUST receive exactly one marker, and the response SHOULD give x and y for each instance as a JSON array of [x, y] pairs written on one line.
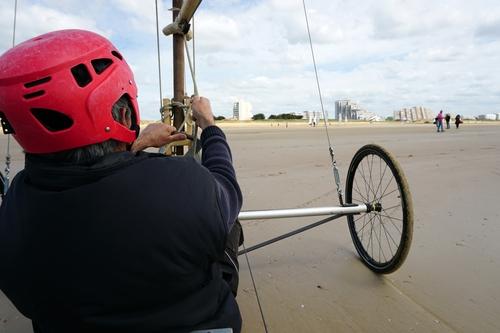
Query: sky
[[384, 54]]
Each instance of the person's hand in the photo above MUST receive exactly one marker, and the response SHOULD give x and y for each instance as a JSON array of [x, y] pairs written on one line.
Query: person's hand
[[202, 112], [156, 135]]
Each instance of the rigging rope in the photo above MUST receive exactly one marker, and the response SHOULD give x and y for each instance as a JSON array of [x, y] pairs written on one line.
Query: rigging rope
[[194, 49], [195, 87], [193, 149], [158, 51], [7, 156], [255, 288], [330, 149]]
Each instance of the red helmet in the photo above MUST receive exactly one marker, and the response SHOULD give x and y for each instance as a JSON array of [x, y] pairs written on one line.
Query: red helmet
[[57, 92]]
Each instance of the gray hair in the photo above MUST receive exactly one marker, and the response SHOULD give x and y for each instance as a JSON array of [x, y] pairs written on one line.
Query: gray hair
[[90, 153]]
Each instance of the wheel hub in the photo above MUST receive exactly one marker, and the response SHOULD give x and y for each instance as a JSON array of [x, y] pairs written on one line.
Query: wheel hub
[[374, 207]]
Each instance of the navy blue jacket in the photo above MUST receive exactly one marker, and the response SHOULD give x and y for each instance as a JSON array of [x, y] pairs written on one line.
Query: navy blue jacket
[[127, 244]]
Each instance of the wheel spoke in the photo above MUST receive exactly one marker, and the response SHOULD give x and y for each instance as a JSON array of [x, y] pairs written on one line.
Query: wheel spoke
[[367, 185], [365, 224], [387, 235], [364, 178], [370, 181], [362, 232], [371, 234], [361, 202], [380, 250], [396, 189], [392, 207], [391, 217], [371, 178], [393, 241], [359, 190], [371, 228], [361, 195], [359, 218], [381, 178], [390, 181], [391, 220]]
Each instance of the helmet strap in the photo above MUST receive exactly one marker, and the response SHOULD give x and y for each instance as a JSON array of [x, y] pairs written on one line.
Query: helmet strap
[[136, 128]]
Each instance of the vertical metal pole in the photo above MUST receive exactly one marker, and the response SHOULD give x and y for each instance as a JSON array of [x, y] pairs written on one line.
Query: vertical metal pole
[[194, 48], [178, 48], [8, 157]]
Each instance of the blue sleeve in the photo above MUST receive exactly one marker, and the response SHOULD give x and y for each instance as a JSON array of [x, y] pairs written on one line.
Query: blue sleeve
[[216, 157]]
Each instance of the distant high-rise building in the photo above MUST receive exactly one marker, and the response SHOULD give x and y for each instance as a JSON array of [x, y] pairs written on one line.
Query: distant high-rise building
[[242, 110], [488, 116], [413, 114], [314, 116], [346, 109]]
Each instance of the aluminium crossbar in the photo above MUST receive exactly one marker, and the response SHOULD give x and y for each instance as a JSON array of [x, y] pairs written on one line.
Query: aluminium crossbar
[[301, 212], [332, 212]]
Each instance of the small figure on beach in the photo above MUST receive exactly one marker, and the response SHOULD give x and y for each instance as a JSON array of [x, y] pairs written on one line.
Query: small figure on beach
[[458, 120], [439, 121], [447, 118]]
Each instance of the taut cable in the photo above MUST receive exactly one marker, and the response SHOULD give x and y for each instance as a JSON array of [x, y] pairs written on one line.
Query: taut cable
[[330, 149], [158, 53], [255, 288], [195, 87], [7, 156]]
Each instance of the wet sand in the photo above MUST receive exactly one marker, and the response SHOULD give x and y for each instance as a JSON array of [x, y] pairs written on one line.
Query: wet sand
[[314, 282]]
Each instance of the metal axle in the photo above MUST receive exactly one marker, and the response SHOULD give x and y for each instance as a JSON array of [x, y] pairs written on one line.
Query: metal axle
[[332, 212]]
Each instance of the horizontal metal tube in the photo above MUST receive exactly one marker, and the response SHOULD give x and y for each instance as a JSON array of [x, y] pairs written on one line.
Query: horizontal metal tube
[[288, 234], [300, 212], [186, 13]]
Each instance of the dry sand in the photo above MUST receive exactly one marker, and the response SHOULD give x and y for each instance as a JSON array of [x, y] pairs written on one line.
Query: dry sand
[[314, 282]]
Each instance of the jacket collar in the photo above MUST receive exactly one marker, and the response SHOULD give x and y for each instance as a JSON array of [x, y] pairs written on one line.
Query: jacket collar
[[58, 176]]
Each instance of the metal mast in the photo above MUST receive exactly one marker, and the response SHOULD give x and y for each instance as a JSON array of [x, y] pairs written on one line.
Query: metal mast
[[179, 84]]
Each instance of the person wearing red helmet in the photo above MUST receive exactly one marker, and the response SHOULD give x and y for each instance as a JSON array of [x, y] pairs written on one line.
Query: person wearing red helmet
[[95, 234]]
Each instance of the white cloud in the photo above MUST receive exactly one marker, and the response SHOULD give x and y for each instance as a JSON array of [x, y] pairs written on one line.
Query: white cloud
[[385, 54], [35, 19], [215, 31]]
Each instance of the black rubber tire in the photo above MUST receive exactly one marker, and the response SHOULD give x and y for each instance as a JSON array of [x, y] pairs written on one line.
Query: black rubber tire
[[382, 183]]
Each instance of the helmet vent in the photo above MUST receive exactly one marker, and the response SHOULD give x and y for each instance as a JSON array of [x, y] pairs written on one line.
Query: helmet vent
[[37, 82], [6, 127], [34, 94], [116, 54], [81, 75], [100, 65], [54, 121]]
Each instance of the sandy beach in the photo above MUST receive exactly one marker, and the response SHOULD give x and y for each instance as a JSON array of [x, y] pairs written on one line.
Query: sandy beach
[[315, 282]]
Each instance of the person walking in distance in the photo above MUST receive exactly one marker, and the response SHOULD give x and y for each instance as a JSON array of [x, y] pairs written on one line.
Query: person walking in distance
[[447, 118], [458, 121], [439, 121]]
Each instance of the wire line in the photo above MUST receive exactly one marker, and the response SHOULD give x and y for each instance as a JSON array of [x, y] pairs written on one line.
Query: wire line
[[158, 52], [7, 156], [336, 173], [316, 73], [255, 288]]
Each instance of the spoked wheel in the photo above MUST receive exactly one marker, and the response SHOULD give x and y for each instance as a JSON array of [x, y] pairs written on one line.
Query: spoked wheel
[[383, 235]]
